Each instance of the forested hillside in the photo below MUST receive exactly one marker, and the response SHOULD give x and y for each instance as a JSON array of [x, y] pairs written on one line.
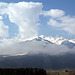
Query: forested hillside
[[22, 71]]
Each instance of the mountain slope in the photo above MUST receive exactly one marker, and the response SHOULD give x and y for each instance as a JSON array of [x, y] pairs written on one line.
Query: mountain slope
[[68, 44], [41, 52], [39, 44], [56, 40], [39, 61]]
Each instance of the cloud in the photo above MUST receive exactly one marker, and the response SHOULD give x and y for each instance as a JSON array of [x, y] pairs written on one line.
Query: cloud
[[54, 13], [59, 20], [3, 29], [1, 18], [25, 15], [34, 47]]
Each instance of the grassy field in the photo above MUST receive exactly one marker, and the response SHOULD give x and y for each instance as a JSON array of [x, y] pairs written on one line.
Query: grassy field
[[49, 72]]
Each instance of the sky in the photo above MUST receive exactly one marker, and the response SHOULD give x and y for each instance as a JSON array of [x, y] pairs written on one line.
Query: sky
[[22, 19]]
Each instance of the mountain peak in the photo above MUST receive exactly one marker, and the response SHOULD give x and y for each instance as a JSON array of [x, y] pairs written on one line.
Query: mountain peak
[[56, 40]]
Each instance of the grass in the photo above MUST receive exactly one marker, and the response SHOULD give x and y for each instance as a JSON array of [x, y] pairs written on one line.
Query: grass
[[57, 73]]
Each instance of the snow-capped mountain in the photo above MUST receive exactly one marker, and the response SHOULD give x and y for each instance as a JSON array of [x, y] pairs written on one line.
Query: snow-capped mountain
[[39, 44], [40, 51], [56, 40], [48, 45], [68, 44]]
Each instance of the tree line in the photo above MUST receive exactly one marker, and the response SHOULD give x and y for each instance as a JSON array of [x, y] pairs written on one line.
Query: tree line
[[22, 71]]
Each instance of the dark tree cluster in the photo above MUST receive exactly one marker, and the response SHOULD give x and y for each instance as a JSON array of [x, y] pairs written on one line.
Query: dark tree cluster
[[71, 72], [22, 71]]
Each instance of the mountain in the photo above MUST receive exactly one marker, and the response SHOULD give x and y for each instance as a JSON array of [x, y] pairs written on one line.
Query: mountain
[[55, 40], [68, 44], [38, 44], [40, 51], [40, 61]]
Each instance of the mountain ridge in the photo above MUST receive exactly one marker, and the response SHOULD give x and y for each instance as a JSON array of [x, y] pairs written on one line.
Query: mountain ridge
[[40, 51], [39, 44], [56, 40]]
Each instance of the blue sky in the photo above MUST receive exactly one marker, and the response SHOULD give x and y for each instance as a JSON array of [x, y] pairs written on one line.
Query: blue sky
[[68, 6]]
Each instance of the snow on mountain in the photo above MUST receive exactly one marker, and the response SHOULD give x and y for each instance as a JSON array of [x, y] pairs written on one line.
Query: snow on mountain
[[68, 44], [56, 40], [39, 44], [73, 40]]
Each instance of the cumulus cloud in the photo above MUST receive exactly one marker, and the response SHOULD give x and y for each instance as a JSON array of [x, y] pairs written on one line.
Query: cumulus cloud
[[25, 15], [54, 13], [1, 18], [61, 21], [3, 29]]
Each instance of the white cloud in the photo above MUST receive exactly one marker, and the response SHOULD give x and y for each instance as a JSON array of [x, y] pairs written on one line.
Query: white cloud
[[3, 29], [1, 18], [54, 13], [25, 15], [61, 21]]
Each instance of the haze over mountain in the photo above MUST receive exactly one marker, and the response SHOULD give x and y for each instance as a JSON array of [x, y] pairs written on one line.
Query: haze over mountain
[[41, 52], [37, 45]]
